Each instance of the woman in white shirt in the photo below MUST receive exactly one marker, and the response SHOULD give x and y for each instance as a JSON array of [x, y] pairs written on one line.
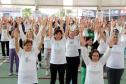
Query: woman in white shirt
[[115, 63], [94, 64], [58, 58], [5, 39], [12, 55], [47, 51], [72, 56], [36, 34], [28, 55]]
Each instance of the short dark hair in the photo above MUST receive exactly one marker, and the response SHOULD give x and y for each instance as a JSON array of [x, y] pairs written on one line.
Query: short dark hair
[[56, 31], [93, 51], [88, 38], [27, 41]]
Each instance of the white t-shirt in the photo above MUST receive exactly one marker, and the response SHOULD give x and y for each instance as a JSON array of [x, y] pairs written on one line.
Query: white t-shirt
[[71, 48], [4, 35], [77, 42], [27, 67], [27, 27], [37, 39], [10, 27], [116, 59], [47, 42], [95, 36], [94, 70], [122, 34], [72, 27], [123, 37], [58, 51], [11, 43]]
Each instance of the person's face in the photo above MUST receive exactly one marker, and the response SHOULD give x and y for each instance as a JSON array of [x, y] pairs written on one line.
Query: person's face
[[95, 56], [109, 24], [71, 34], [90, 42], [76, 32], [28, 47], [115, 39], [36, 30], [58, 36]]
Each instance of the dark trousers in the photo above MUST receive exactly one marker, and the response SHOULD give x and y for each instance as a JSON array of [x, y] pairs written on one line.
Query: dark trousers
[[39, 57], [3, 44], [72, 69], [21, 43], [13, 56], [114, 75], [79, 51], [57, 68]]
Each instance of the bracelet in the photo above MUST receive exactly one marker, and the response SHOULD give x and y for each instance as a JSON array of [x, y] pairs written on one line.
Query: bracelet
[[110, 46]]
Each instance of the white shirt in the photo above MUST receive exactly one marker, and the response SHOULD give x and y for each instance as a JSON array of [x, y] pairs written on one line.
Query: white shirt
[[123, 37], [11, 43], [73, 27], [27, 27], [37, 39], [116, 59], [77, 42], [58, 51], [4, 35], [95, 36], [47, 42], [71, 48], [122, 34], [27, 67], [94, 70]]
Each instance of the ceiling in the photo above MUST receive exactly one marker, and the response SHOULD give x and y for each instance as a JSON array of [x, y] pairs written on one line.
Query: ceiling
[[76, 3]]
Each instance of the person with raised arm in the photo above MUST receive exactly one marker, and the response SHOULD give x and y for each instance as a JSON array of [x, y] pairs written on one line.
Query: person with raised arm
[[58, 58], [115, 62], [27, 73], [94, 63]]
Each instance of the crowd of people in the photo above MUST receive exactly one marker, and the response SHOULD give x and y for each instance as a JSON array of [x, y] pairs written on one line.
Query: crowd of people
[[94, 45]]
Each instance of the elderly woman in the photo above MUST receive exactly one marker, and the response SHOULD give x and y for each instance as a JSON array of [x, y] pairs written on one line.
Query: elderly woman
[[28, 55]]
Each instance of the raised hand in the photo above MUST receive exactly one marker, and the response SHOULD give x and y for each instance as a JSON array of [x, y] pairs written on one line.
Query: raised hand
[[43, 32], [16, 33], [83, 43], [111, 41], [61, 22]]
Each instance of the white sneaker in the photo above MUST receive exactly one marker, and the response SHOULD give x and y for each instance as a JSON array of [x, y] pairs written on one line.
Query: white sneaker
[[47, 73], [10, 74], [105, 75], [16, 74]]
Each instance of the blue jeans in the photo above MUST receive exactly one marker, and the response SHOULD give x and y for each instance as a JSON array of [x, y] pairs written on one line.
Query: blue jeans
[[13, 56]]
